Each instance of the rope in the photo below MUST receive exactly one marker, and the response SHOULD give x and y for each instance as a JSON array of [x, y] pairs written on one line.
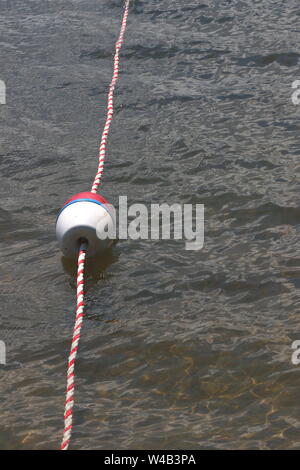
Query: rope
[[68, 417], [110, 101], [69, 403]]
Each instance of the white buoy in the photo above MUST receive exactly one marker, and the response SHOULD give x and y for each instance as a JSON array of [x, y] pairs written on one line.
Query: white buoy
[[84, 217]]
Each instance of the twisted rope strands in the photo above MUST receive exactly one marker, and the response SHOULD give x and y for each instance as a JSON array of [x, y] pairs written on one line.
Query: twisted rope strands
[[69, 403], [110, 101]]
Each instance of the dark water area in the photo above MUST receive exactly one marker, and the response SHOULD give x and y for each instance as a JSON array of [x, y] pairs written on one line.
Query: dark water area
[[180, 349]]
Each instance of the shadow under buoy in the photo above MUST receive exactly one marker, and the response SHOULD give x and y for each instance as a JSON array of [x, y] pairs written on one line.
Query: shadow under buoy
[[96, 267]]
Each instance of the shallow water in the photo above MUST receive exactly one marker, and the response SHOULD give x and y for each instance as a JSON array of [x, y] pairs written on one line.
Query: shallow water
[[180, 349]]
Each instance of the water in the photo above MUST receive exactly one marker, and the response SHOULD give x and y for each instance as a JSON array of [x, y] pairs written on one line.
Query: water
[[180, 349]]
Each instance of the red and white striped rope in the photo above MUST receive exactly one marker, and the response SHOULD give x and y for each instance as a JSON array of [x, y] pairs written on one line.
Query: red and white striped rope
[[110, 101], [68, 417], [69, 404]]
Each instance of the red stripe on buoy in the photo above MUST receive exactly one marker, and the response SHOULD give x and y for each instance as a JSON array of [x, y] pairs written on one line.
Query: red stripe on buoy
[[87, 195]]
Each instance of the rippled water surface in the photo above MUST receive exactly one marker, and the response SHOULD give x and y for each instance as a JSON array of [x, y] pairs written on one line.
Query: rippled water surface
[[180, 349]]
